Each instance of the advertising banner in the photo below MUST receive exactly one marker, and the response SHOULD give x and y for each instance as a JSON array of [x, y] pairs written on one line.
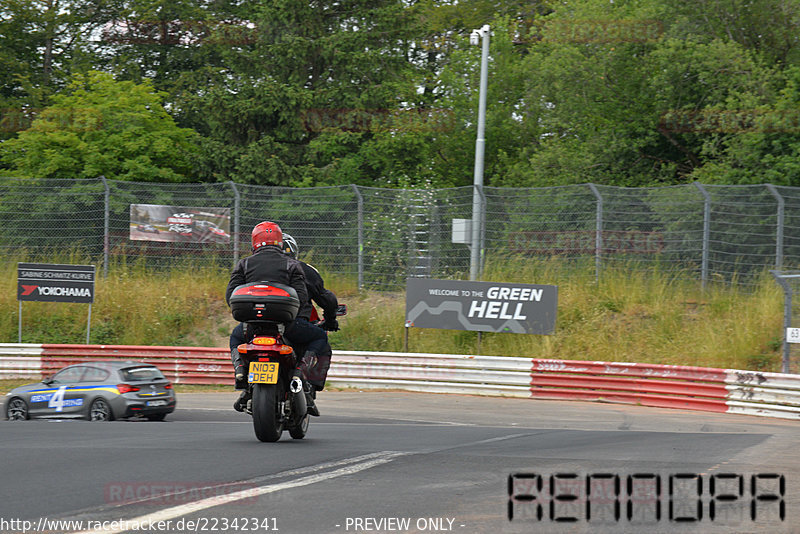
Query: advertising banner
[[48, 282], [481, 306], [155, 222]]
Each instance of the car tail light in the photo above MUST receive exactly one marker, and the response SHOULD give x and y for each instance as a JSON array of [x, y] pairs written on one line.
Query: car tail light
[[126, 388], [168, 386]]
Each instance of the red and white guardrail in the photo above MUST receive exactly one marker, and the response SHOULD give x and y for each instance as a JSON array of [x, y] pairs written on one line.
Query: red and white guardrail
[[666, 386]]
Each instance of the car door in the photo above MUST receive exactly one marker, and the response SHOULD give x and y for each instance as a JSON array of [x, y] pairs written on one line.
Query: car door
[[57, 398], [95, 382]]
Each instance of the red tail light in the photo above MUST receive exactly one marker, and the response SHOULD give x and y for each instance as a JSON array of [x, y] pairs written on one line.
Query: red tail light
[[168, 386], [126, 388]]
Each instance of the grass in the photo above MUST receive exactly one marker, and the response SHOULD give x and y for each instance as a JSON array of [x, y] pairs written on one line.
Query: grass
[[184, 306], [627, 316]]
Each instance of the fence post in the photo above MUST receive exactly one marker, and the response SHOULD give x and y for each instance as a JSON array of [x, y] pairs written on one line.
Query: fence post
[[779, 230], [476, 252], [106, 217], [481, 241], [706, 232], [360, 200], [781, 278], [598, 235], [236, 203]]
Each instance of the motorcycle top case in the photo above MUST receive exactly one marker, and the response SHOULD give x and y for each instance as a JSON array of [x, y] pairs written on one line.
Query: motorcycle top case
[[264, 301]]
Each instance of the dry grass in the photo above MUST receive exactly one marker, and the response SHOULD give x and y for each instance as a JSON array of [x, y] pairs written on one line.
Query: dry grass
[[628, 316], [132, 307]]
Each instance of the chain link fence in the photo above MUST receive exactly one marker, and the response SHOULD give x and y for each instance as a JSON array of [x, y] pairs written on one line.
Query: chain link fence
[[790, 283], [383, 236]]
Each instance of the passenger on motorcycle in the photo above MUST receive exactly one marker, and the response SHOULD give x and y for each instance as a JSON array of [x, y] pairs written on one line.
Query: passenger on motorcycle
[[268, 263], [325, 299]]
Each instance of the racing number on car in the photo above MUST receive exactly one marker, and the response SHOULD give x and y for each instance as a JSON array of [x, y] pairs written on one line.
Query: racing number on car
[[57, 400]]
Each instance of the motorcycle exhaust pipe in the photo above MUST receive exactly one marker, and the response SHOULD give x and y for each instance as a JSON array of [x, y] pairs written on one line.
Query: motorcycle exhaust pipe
[[299, 400], [296, 385]]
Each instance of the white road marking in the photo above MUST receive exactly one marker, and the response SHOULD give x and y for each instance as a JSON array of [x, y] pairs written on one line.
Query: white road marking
[[359, 463]]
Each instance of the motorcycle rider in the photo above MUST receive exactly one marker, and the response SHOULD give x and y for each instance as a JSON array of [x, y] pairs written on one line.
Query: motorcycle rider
[[268, 263], [326, 300]]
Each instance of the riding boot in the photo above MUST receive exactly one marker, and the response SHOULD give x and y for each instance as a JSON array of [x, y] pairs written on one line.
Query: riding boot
[[240, 379], [301, 373], [311, 406], [239, 370]]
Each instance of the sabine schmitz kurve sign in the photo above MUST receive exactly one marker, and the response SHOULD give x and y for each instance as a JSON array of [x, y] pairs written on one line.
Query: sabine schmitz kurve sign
[[481, 306], [49, 282]]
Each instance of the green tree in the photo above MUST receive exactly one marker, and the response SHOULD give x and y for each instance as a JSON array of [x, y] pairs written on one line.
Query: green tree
[[99, 126], [42, 42], [601, 80], [315, 97], [175, 44], [769, 27]]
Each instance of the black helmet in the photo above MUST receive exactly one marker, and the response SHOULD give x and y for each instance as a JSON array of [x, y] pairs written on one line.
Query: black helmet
[[290, 246]]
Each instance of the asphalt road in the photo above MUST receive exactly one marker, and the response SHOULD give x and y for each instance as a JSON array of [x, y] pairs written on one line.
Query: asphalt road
[[406, 462]]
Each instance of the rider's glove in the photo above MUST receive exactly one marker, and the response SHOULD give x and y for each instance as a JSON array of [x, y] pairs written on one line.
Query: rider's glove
[[330, 325]]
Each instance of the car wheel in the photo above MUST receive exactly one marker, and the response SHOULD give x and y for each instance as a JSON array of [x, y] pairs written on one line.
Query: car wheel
[[156, 416], [100, 410], [16, 409]]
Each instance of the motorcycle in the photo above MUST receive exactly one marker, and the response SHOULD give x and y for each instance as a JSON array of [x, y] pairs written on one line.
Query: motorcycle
[[277, 401]]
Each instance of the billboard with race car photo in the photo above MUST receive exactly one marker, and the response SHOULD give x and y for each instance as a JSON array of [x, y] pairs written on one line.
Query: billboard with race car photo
[[155, 222]]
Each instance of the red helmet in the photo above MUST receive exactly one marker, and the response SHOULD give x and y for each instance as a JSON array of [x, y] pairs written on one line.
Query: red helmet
[[267, 233]]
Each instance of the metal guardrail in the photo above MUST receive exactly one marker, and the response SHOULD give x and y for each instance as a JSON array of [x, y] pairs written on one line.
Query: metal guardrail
[[666, 386]]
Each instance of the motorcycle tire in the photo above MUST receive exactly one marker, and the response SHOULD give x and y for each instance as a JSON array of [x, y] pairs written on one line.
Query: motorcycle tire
[[267, 422]]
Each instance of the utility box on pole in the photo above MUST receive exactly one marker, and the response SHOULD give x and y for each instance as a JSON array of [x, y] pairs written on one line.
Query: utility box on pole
[[462, 231]]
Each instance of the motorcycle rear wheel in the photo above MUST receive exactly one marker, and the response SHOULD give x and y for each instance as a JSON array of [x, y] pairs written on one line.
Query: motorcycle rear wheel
[[267, 422]]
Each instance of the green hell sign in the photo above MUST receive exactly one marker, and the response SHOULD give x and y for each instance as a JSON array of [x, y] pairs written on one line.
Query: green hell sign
[[481, 306]]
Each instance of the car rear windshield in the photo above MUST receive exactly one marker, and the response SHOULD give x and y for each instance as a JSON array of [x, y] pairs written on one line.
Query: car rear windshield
[[141, 373]]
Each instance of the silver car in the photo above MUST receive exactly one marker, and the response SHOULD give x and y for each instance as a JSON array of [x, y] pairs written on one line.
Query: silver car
[[97, 391]]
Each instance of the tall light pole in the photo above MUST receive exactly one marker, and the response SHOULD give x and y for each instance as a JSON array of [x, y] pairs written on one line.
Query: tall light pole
[[477, 194]]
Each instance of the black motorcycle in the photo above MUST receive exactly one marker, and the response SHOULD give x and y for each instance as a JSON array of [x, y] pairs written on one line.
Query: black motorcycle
[[278, 401]]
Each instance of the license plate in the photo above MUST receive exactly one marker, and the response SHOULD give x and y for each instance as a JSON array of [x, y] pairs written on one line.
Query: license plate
[[263, 373], [157, 403]]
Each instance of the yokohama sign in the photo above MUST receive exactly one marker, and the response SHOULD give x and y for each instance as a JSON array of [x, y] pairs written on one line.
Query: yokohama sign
[[47, 282]]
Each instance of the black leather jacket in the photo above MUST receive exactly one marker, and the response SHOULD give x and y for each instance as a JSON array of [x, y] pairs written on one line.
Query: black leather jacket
[[324, 298], [270, 264]]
